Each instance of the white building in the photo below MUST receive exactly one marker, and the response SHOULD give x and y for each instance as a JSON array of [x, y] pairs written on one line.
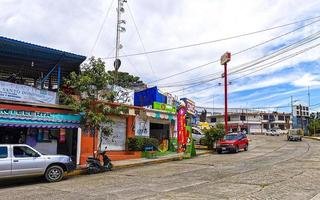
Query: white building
[[254, 122]]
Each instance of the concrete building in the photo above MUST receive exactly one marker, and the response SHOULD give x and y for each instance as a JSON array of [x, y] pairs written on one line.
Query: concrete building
[[254, 122]]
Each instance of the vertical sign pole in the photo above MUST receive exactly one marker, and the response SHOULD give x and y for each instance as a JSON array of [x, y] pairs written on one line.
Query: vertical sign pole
[[225, 99]]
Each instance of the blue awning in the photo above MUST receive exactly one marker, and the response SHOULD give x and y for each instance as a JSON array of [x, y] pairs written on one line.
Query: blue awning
[[27, 59]]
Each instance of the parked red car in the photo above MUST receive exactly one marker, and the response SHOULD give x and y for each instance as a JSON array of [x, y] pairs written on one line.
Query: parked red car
[[233, 143]]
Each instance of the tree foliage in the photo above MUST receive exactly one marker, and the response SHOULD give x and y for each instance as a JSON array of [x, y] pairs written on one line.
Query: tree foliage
[[93, 97], [314, 126], [214, 134]]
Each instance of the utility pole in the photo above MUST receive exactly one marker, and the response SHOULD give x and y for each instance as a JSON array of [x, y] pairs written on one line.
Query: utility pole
[[212, 104], [120, 29], [291, 112], [308, 118], [225, 58]]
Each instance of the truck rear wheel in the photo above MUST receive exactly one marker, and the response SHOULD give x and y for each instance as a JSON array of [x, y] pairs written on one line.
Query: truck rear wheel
[[54, 173]]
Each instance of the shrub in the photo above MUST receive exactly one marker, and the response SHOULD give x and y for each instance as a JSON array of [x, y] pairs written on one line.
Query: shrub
[[214, 134], [138, 143]]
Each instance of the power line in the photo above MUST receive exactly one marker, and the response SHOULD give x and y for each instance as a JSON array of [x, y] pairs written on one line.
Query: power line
[[259, 67], [140, 38], [101, 27], [237, 53], [258, 60], [216, 40]]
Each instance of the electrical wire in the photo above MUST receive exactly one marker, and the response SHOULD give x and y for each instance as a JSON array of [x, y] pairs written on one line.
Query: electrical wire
[[254, 62], [259, 68], [140, 38], [237, 53], [216, 40], [101, 28]]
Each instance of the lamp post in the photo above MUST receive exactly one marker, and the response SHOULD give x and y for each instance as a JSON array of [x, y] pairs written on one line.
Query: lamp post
[[225, 58]]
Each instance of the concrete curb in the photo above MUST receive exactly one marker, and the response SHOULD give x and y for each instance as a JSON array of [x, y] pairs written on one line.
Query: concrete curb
[[312, 138], [81, 171]]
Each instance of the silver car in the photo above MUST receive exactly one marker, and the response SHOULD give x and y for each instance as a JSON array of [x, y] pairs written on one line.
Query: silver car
[[20, 160]]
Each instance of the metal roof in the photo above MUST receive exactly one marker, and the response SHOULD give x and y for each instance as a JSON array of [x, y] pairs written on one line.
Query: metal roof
[[30, 60]]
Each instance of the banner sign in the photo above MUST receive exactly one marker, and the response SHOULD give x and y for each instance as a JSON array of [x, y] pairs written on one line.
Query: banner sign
[[164, 107], [190, 105], [17, 92], [182, 132]]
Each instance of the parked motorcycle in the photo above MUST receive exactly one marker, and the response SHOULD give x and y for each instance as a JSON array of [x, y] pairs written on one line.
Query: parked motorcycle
[[94, 165]]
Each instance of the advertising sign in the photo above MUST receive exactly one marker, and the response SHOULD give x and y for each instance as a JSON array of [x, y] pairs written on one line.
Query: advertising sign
[[164, 107], [142, 127], [17, 92], [182, 140], [190, 105]]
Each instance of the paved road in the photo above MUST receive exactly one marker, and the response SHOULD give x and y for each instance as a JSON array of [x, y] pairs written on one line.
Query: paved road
[[272, 169]]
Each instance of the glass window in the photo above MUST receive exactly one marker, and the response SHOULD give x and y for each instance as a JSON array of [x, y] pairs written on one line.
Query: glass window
[[230, 137], [23, 152], [242, 118], [281, 118], [3, 152], [213, 119], [265, 117]]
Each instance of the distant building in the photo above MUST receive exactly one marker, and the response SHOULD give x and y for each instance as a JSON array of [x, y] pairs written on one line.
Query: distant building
[[301, 116], [254, 122]]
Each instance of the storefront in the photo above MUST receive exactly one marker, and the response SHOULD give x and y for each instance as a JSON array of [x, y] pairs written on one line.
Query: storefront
[[155, 124], [49, 130]]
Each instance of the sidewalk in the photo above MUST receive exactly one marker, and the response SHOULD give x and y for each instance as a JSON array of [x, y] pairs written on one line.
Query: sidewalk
[[121, 164], [312, 137]]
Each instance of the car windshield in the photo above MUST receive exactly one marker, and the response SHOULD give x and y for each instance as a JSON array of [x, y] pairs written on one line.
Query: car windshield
[[230, 137]]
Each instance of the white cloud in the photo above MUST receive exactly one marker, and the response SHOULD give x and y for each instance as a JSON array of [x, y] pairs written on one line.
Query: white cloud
[[73, 25]]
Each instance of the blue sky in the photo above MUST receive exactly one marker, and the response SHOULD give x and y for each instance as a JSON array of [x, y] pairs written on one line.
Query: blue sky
[[74, 25]]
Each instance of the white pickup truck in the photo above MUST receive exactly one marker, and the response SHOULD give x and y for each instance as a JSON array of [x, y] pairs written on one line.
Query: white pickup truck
[[19, 160]]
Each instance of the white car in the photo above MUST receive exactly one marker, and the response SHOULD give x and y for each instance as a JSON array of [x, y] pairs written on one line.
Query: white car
[[197, 134]]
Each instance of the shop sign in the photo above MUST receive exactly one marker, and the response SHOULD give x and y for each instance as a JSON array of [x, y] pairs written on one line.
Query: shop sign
[[164, 107], [35, 115], [17, 92], [190, 105]]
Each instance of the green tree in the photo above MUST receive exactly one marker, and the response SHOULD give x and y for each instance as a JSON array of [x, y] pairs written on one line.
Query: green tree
[[93, 95], [214, 134], [314, 126]]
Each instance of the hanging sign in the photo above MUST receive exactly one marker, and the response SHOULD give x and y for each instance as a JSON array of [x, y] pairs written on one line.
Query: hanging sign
[[17, 92]]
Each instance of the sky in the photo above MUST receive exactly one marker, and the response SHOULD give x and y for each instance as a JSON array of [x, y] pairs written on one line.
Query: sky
[[74, 26]]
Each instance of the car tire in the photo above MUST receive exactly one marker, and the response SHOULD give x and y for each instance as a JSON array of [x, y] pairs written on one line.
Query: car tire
[[246, 147], [54, 173], [236, 149]]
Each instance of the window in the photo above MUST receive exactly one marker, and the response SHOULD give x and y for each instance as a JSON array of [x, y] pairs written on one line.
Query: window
[[307, 108], [213, 119], [3, 152], [265, 126], [298, 107], [242, 118], [23, 152], [281, 126], [265, 117], [228, 118], [281, 118]]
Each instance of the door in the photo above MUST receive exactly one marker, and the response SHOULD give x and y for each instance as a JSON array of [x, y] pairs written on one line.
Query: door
[[26, 161], [117, 140], [5, 162]]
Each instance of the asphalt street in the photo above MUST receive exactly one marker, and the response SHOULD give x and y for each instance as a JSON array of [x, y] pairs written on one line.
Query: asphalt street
[[273, 168]]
